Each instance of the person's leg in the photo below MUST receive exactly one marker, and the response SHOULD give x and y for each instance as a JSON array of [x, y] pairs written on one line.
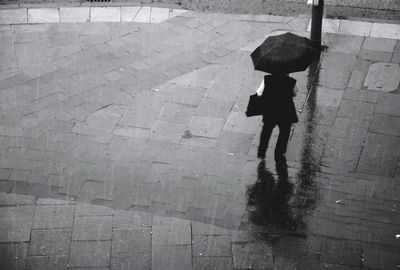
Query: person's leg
[[281, 144], [264, 138]]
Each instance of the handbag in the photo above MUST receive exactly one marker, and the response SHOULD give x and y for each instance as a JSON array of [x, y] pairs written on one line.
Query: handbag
[[256, 105]]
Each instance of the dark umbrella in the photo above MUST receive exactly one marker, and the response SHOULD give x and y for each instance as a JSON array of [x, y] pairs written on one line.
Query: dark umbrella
[[284, 53]]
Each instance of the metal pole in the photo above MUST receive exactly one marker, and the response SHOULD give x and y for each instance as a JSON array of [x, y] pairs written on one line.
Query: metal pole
[[316, 22]]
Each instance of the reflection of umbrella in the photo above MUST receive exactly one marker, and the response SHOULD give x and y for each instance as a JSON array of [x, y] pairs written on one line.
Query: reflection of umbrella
[[284, 53]]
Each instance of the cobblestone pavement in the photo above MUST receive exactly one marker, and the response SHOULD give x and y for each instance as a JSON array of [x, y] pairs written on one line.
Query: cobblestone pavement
[[125, 146]]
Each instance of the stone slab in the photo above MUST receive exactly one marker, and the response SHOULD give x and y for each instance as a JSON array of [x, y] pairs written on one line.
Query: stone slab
[[16, 223], [50, 242], [53, 216], [43, 15], [343, 43], [388, 104], [172, 258], [105, 14], [128, 13], [206, 126], [171, 231], [379, 44], [143, 15], [211, 245], [127, 261], [131, 241], [13, 16], [355, 28], [385, 30], [385, 124], [329, 97], [167, 131], [159, 15], [58, 262], [74, 14], [328, 26], [383, 77], [85, 209], [92, 228], [176, 12], [238, 122], [94, 254]]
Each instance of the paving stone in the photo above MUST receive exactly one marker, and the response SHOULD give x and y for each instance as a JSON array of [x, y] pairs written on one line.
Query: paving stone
[[349, 129], [16, 223], [328, 26], [388, 104], [342, 153], [49, 242], [202, 77], [378, 157], [348, 253], [203, 263], [343, 44], [92, 228], [127, 261], [53, 216], [211, 245], [356, 110], [167, 131], [159, 15], [94, 254], [206, 126], [329, 97], [105, 14], [178, 113], [238, 122], [234, 142], [385, 30], [74, 14], [376, 56], [177, 257], [188, 95], [84, 209], [361, 95], [143, 15], [396, 53], [385, 124], [336, 70], [13, 16], [252, 255], [47, 262], [132, 241], [379, 259], [214, 108], [131, 220], [43, 15], [13, 255], [128, 13], [379, 44], [355, 28], [171, 231], [7, 199]]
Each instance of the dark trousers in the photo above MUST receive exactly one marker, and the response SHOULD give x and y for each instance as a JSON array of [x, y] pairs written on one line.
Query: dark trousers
[[281, 144]]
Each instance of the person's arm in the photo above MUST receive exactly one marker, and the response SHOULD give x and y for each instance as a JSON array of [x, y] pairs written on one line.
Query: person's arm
[[260, 89]]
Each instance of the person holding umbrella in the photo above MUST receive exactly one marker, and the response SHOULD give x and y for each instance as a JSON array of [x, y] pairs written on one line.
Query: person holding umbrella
[[279, 56]]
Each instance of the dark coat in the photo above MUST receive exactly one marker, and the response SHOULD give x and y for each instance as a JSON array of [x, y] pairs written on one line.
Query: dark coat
[[278, 94]]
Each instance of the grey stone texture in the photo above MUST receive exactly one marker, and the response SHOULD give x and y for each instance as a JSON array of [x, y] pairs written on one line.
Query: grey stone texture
[[126, 146]]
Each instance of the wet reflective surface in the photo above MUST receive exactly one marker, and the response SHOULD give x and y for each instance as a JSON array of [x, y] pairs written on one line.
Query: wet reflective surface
[[162, 160]]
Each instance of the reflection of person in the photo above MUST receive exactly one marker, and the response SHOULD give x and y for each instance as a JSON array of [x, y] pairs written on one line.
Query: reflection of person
[[269, 201], [278, 91]]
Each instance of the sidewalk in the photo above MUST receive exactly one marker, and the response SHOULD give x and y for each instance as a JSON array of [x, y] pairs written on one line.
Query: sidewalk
[[125, 146]]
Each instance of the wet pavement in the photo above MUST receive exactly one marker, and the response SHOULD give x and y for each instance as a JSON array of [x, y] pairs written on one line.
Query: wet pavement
[[126, 146]]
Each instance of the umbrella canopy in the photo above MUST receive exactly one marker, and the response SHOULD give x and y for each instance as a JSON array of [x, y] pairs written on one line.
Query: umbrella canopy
[[284, 53]]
